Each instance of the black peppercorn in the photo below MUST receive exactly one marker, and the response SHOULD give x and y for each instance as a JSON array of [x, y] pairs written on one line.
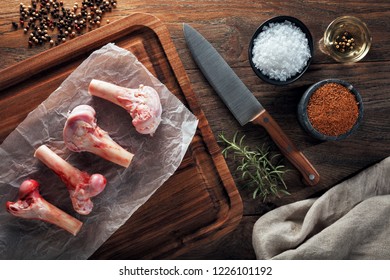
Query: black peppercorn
[[15, 25], [44, 16]]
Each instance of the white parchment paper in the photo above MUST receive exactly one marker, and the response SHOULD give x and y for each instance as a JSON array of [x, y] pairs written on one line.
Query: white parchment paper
[[156, 159]]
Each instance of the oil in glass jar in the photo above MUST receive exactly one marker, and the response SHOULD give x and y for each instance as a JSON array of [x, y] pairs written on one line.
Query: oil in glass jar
[[347, 39]]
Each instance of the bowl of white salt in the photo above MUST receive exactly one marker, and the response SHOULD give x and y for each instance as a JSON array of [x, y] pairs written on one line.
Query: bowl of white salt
[[281, 50]]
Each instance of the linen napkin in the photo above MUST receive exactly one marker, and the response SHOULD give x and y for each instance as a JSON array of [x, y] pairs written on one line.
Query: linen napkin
[[350, 221]]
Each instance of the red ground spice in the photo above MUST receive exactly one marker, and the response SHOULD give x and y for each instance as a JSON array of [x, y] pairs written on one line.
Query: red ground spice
[[332, 109]]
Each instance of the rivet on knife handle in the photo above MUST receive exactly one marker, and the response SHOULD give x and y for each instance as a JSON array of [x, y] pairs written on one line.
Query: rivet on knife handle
[[310, 175]]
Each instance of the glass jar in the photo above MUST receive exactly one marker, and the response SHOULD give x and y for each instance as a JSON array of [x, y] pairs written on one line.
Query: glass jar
[[347, 39]]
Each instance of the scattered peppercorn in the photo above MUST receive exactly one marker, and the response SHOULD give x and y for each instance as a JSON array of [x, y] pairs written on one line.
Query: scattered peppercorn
[[14, 25], [43, 16], [332, 109]]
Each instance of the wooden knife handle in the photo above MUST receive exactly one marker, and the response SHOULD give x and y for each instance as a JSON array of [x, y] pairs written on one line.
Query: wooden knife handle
[[288, 149]]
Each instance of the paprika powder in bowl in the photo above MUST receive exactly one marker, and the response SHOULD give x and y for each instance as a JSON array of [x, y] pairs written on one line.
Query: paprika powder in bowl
[[330, 110]]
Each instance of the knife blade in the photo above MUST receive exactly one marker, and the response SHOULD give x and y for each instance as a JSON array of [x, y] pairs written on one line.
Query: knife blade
[[240, 100]]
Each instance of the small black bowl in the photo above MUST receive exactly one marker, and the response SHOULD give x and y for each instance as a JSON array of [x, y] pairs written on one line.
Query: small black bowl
[[281, 19], [304, 119]]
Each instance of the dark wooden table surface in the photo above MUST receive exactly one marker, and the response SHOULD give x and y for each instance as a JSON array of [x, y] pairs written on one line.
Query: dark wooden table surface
[[229, 25]]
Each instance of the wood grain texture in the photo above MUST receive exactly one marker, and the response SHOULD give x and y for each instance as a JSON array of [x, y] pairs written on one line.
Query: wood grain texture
[[229, 25]]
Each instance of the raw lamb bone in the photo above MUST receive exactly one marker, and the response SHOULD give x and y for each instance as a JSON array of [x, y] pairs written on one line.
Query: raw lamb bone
[[81, 133], [81, 185], [143, 103], [31, 205]]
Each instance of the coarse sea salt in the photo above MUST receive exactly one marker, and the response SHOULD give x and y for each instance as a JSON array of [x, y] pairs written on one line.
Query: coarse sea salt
[[281, 51]]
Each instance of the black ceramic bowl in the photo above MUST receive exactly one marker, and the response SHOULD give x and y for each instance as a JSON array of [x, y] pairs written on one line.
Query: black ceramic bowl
[[304, 119], [280, 19]]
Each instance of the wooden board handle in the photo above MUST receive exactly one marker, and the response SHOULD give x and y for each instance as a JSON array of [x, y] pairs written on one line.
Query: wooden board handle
[[288, 149]]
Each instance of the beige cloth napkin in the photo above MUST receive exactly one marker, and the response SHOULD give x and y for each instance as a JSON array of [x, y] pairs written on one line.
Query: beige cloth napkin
[[350, 221]]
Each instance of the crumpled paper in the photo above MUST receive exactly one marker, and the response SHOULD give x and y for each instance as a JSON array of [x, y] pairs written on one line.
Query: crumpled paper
[[156, 159]]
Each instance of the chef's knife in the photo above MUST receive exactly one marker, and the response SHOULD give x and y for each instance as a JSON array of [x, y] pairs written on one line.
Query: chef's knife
[[241, 102]]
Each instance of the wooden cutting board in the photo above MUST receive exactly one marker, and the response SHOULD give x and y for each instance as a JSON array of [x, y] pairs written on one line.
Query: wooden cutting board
[[200, 202]]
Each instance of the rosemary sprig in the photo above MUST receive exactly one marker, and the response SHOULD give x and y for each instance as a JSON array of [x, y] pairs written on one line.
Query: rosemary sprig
[[257, 166]]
